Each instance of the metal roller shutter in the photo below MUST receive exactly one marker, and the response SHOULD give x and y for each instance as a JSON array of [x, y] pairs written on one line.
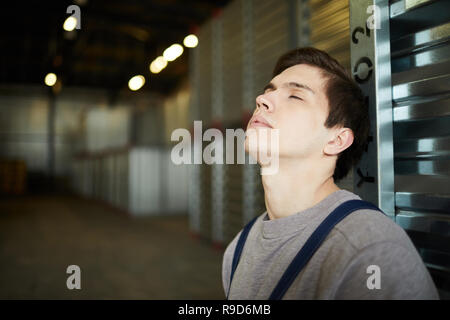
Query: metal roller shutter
[[217, 115], [329, 25], [201, 102], [420, 52], [205, 217], [268, 29], [404, 68], [233, 198], [270, 22], [204, 81], [194, 112], [232, 44], [330, 31], [232, 111]]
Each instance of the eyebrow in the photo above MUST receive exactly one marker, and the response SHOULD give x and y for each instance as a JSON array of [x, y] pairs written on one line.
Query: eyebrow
[[290, 85]]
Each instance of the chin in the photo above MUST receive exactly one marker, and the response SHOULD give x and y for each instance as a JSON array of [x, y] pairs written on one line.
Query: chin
[[255, 150]]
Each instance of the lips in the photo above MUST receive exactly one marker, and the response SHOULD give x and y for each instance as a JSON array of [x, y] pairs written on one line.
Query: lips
[[259, 121]]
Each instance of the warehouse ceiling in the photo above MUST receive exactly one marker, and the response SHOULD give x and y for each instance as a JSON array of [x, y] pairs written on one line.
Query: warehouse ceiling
[[117, 40]]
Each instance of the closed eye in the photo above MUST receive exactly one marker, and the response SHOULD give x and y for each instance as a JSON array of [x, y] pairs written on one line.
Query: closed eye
[[295, 97]]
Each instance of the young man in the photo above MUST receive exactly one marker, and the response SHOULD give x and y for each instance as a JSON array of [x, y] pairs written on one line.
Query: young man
[[323, 128]]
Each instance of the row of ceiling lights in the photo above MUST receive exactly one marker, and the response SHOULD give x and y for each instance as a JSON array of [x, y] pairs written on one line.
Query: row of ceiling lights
[[169, 55], [157, 65]]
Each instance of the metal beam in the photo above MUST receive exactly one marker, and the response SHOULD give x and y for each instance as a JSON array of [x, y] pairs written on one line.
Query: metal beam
[[371, 68]]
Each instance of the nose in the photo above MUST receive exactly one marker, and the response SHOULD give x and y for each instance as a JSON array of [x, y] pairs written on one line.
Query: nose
[[263, 102]]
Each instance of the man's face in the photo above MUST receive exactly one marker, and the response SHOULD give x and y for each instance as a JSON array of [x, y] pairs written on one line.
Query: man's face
[[295, 103]]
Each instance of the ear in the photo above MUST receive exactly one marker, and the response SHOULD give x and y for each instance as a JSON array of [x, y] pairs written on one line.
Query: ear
[[342, 139]]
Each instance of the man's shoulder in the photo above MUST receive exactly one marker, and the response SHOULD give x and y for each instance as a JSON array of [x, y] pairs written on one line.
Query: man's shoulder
[[232, 245], [365, 227], [229, 253]]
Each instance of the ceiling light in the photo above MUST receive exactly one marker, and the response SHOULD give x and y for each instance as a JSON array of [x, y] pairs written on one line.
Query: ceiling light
[[136, 82], [158, 64], [191, 41], [70, 23], [173, 52], [50, 79]]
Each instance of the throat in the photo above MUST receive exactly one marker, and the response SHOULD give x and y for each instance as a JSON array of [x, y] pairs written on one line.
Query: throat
[[285, 197]]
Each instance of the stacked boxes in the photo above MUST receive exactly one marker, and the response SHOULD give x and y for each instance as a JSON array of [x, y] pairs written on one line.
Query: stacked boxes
[[13, 175]]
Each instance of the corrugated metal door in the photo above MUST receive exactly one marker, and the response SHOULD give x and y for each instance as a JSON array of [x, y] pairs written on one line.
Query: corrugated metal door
[[232, 111], [329, 27], [420, 66], [270, 22], [330, 31], [204, 101], [407, 80]]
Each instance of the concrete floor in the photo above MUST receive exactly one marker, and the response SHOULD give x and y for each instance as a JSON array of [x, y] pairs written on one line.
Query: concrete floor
[[120, 257]]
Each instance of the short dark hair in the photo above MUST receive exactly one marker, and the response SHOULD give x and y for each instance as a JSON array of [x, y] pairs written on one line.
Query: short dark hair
[[347, 106]]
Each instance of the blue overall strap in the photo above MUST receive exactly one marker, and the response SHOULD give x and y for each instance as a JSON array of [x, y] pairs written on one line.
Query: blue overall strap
[[239, 248], [313, 243]]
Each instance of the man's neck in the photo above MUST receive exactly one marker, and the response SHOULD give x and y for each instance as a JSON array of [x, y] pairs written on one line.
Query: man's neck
[[296, 187]]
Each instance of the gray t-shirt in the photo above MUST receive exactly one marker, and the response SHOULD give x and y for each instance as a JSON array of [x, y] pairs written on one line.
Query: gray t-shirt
[[365, 250]]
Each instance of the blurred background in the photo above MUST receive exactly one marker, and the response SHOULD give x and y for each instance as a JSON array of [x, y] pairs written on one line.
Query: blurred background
[[91, 91]]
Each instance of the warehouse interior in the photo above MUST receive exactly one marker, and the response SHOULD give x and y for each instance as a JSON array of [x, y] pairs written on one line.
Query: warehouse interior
[[91, 92]]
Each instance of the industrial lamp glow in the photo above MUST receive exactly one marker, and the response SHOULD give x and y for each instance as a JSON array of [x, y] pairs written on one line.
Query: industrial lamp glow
[[70, 23], [173, 52], [158, 64], [50, 79], [191, 41], [136, 82]]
